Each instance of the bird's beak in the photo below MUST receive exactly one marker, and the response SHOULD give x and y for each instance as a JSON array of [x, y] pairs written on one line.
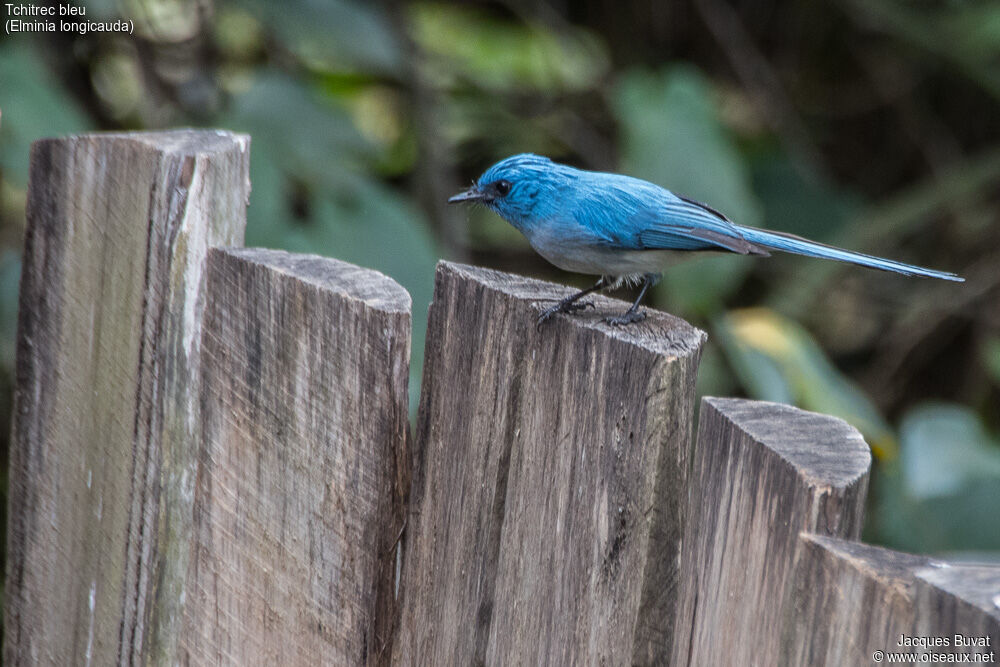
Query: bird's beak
[[472, 194]]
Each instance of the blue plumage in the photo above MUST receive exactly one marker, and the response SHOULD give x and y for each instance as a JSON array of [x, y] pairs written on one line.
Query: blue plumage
[[619, 227]]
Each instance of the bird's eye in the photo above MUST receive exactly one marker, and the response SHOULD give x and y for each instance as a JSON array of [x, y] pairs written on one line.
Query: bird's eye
[[503, 187]]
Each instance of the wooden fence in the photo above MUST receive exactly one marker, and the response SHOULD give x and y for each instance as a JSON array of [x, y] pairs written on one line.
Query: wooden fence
[[211, 462]]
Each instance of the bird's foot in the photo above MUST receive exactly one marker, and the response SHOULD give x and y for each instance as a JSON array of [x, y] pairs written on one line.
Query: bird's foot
[[628, 317], [563, 306]]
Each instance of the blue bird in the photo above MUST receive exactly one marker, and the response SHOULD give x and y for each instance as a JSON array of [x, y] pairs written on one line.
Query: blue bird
[[624, 229]]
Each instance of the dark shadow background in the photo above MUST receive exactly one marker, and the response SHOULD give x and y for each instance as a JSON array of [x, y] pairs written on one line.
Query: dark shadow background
[[871, 124]]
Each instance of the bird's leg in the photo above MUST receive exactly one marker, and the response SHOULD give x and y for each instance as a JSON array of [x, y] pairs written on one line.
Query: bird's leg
[[633, 314], [570, 305]]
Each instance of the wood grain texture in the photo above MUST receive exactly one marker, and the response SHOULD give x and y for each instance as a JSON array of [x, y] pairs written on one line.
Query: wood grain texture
[[960, 598], [762, 473], [101, 473], [303, 463], [548, 480], [852, 599]]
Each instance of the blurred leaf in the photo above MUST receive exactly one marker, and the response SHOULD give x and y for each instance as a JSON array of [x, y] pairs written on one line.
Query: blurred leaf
[[944, 447], [776, 359], [941, 494], [237, 33], [378, 113], [33, 106], [672, 136], [504, 55], [967, 520], [315, 142], [118, 80], [761, 375], [332, 34]]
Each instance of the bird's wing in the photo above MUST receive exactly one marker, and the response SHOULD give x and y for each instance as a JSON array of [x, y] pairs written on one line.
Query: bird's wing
[[685, 224], [627, 213], [677, 223]]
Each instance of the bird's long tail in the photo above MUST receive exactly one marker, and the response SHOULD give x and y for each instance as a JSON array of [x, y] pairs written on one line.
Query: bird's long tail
[[800, 246]]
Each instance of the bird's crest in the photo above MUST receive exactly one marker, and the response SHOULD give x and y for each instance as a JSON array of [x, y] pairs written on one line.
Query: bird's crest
[[525, 165]]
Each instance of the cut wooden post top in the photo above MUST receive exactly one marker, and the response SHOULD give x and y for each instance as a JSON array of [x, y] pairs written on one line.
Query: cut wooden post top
[[659, 332], [824, 450], [976, 584], [374, 289], [878, 562], [185, 141]]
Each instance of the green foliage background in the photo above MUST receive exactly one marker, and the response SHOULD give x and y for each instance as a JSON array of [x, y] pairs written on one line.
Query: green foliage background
[[872, 124]]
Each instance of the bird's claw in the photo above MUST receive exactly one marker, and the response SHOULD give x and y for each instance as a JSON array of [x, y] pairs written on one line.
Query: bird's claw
[[563, 307], [628, 317]]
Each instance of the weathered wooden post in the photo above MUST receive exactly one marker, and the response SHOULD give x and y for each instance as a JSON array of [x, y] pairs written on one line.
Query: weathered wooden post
[[302, 465], [102, 463], [766, 574], [852, 600], [549, 481], [203, 469], [762, 474]]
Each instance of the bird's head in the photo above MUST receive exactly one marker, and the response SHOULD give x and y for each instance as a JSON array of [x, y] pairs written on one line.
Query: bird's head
[[518, 188]]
